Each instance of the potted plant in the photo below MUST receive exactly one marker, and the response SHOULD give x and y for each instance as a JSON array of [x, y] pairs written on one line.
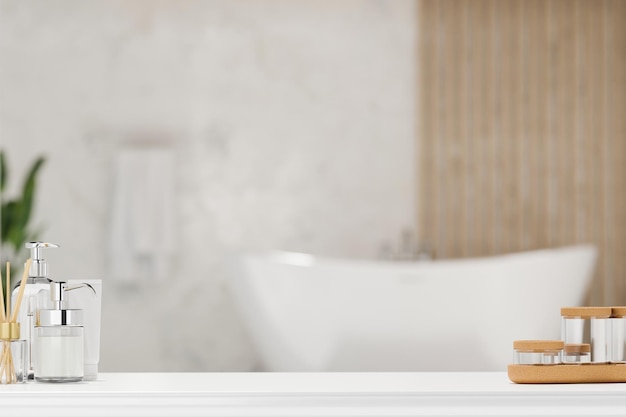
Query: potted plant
[[15, 215]]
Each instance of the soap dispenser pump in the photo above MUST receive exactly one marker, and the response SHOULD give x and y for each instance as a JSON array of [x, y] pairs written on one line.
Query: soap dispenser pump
[[35, 296], [38, 272], [59, 339]]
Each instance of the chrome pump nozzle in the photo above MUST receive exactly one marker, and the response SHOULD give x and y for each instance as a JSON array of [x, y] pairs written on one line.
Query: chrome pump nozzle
[[38, 267]]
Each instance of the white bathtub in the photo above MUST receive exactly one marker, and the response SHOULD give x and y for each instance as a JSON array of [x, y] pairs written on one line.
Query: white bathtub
[[306, 313]]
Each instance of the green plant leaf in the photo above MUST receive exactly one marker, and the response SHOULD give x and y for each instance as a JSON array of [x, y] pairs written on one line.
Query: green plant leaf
[[28, 192], [7, 214], [3, 171], [12, 231], [15, 213]]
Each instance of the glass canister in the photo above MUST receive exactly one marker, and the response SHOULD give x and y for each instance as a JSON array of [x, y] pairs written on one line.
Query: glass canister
[[617, 328], [589, 325], [537, 352], [575, 353]]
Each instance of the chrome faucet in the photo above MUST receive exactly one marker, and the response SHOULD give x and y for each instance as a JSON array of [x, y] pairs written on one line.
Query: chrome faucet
[[409, 249]]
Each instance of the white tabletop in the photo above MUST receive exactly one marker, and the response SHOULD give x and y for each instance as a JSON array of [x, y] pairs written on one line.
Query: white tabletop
[[310, 394]]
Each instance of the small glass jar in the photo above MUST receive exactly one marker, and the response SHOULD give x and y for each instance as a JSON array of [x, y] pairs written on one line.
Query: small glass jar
[[588, 325], [537, 352], [576, 353], [12, 355]]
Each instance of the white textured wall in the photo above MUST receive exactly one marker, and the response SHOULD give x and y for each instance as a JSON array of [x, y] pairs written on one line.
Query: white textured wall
[[294, 123]]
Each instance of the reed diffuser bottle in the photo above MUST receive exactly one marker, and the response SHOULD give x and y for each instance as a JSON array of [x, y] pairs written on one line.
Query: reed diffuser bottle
[[13, 351], [13, 368]]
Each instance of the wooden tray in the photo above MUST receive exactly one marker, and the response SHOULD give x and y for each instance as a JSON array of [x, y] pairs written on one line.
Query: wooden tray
[[567, 374]]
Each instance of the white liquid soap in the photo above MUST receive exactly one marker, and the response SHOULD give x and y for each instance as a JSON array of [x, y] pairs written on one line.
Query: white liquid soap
[[59, 340], [52, 367]]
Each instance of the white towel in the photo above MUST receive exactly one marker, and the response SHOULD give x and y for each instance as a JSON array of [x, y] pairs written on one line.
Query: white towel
[[142, 236]]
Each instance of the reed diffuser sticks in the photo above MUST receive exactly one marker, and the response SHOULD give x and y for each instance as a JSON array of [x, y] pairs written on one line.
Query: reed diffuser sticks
[[9, 328]]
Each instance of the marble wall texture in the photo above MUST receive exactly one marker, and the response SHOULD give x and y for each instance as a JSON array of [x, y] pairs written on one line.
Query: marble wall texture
[[291, 124]]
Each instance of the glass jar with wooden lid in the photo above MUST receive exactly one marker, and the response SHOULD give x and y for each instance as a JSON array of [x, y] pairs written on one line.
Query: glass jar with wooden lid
[[537, 352], [589, 325], [576, 353]]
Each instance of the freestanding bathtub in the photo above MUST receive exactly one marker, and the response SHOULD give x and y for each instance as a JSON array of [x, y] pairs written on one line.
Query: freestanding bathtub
[[306, 313]]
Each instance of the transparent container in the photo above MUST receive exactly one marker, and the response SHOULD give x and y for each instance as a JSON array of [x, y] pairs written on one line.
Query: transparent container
[[537, 352], [574, 353], [590, 325], [59, 354], [59, 345], [617, 328], [13, 357]]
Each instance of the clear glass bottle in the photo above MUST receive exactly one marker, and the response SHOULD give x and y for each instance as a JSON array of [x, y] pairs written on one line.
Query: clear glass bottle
[[588, 325], [537, 352], [14, 367], [36, 296], [59, 341]]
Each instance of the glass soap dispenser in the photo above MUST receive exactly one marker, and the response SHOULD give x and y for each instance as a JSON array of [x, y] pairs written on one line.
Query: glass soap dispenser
[[59, 340], [35, 297]]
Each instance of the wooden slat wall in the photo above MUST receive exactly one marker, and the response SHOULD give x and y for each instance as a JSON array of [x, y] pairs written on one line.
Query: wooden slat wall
[[523, 129]]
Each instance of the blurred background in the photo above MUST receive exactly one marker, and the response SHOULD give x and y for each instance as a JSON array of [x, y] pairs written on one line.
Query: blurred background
[[207, 128], [274, 124]]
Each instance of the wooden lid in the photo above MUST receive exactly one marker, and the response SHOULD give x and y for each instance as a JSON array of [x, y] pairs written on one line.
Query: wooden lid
[[618, 311], [537, 345], [586, 312], [577, 348]]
